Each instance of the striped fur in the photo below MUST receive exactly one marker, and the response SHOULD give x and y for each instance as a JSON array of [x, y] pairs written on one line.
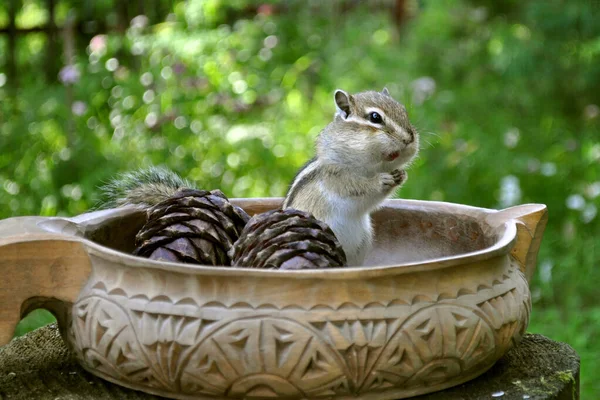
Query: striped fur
[[143, 188], [307, 173]]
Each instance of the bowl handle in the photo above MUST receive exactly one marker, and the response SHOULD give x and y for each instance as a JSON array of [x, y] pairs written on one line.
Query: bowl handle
[[40, 267], [530, 220]]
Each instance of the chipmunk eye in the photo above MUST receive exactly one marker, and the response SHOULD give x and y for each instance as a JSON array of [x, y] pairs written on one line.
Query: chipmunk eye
[[375, 118]]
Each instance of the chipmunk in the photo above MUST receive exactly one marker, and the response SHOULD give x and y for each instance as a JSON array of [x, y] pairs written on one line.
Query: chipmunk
[[142, 188], [358, 162]]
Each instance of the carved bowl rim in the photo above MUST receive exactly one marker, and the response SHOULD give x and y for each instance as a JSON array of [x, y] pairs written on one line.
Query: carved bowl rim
[[505, 240]]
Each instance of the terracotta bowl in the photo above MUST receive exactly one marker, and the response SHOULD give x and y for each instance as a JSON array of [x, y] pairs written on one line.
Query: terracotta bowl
[[444, 296]]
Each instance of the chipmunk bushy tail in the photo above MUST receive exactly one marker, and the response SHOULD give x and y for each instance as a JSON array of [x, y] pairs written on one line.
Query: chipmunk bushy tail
[[143, 188]]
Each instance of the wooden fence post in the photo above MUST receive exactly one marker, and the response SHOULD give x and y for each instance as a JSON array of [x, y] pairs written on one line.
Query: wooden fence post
[[12, 43], [399, 12], [69, 54], [51, 71]]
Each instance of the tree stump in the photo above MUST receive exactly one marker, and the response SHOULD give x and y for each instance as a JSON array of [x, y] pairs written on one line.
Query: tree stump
[[39, 366]]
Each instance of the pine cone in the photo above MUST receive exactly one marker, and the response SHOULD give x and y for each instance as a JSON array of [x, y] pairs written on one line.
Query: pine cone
[[287, 239], [192, 226]]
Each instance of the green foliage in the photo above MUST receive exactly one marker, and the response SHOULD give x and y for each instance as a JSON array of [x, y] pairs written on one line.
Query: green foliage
[[34, 320], [232, 94]]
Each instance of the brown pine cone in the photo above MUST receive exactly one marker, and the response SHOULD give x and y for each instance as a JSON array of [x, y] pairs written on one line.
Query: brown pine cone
[[192, 226], [287, 239]]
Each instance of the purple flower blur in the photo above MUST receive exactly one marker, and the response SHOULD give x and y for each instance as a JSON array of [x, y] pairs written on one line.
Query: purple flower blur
[[79, 108], [178, 68], [69, 74]]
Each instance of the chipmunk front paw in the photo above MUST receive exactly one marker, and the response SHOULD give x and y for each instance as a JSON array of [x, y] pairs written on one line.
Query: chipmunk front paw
[[387, 181], [392, 179], [400, 176]]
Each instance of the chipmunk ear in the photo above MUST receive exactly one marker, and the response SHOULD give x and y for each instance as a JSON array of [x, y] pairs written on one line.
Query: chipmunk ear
[[342, 102], [386, 92]]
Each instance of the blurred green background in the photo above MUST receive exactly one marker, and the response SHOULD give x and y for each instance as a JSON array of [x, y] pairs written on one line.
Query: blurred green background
[[231, 94]]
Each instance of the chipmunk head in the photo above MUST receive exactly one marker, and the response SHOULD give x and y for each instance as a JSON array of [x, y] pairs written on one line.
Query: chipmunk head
[[369, 129]]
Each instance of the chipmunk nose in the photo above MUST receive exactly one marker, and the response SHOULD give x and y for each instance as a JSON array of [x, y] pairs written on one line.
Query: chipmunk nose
[[410, 138]]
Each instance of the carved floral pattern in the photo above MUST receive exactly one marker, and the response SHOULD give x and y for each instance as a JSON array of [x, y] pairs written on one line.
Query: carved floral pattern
[[268, 352]]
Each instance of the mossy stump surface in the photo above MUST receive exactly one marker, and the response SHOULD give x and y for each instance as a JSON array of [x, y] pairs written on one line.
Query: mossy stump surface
[[39, 366]]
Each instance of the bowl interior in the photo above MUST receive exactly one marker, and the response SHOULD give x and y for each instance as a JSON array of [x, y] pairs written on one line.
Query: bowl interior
[[117, 233], [416, 234], [403, 234]]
